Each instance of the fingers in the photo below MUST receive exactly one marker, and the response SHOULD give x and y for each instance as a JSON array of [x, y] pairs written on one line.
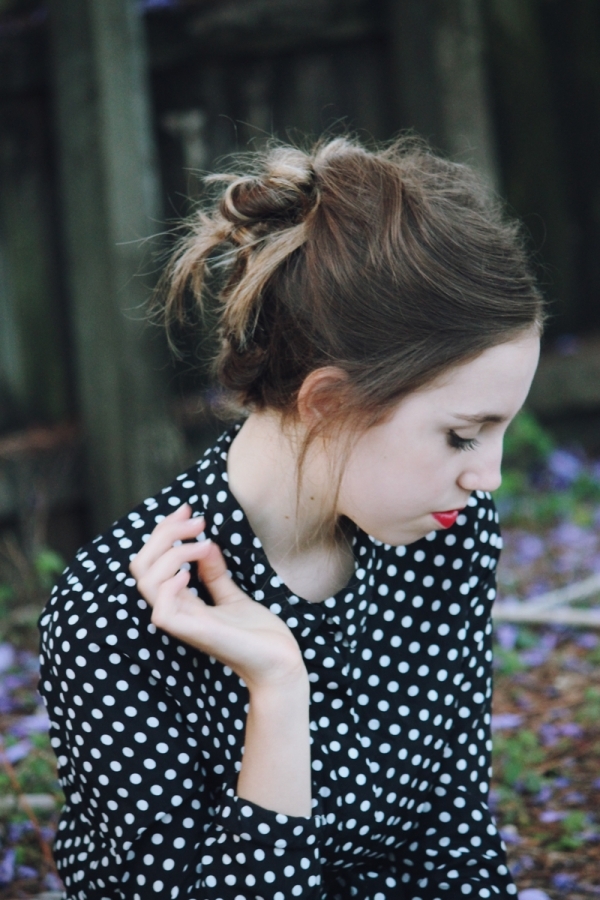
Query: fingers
[[212, 570], [166, 606], [178, 526], [156, 567], [165, 567]]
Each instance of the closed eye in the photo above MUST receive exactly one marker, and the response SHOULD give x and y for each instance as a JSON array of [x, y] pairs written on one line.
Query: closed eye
[[458, 443]]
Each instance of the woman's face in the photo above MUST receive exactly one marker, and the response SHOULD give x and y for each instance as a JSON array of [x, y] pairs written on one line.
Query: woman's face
[[439, 445]]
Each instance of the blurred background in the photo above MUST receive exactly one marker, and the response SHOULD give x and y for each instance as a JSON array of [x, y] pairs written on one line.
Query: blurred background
[[110, 111]]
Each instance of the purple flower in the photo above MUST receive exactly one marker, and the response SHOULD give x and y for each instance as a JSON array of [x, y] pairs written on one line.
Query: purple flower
[[17, 752], [570, 729], [529, 548], [551, 815], [510, 835], [544, 794], [587, 641], [53, 882], [567, 534], [7, 704], [562, 782], [506, 720], [26, 872], [548, 734], [7, 657], [533, 894], [574, 664], [29, 661], [48, 833], [521, 865], [537, 656], [31, 724], [563, 881], [574, 797], [7, 867], [506, 635], [535, 589], [549, 640], [494, 799], [16, 830], [565, 467], [589, 834]]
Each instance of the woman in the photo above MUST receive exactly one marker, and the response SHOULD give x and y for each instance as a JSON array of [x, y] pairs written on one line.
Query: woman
[[300, 705]]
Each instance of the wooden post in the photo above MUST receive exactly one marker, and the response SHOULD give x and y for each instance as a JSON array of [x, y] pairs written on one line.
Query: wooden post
[[33, 379], [536, 178], [110, 198], [441, 84]]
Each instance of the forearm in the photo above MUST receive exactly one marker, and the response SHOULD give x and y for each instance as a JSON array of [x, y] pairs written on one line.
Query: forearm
[[275, 771]]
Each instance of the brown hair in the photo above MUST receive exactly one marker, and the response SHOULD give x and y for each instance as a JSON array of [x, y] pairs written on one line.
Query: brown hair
[[391, 264]]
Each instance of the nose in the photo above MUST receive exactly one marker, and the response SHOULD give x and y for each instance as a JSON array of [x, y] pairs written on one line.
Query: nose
[[482, 472]]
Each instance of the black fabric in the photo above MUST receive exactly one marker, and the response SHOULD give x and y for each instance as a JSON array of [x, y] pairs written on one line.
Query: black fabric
[[149, 732]]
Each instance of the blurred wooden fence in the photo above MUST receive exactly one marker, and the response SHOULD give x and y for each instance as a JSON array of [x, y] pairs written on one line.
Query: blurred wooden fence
[[106, 116]]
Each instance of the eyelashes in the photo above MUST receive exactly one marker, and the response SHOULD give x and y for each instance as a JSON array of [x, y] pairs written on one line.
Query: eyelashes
[[458, 443]]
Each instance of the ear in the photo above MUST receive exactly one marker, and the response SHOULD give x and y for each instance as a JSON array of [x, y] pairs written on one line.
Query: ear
[[320, 395]]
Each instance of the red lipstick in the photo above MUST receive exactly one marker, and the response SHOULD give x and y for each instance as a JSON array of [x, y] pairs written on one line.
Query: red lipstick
[[446, 519]]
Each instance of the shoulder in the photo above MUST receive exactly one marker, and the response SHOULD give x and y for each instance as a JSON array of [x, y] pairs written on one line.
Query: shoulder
[[100, 569]]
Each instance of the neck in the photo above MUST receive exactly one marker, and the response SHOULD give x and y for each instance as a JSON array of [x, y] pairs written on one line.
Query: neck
[[289, 520]]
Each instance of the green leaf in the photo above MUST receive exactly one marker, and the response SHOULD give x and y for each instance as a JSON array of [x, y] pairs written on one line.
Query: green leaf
[[48, 565]]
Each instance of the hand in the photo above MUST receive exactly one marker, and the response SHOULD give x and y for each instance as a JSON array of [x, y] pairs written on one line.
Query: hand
[[238, 631]]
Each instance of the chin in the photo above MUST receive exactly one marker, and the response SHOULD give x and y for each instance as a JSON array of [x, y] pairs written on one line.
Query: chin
[[399, 538]]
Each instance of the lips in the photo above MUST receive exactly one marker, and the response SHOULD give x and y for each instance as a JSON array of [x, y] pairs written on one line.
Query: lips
[[448, 518]]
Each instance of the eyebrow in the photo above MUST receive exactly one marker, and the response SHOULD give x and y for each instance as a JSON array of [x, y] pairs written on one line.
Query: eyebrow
[[481, 418]]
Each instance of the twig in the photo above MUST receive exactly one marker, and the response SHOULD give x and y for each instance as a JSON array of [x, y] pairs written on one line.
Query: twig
[[580, 590], [510, 612], [542, 609]]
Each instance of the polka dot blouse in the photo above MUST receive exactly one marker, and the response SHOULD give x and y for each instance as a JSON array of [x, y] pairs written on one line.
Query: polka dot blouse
[[149, 732]]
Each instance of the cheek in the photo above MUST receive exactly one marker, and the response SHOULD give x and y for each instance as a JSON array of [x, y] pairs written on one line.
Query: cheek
[[384, 482]]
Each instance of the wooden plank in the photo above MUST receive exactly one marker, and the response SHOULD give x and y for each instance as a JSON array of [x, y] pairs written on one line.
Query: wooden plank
[[23, 56], [110, 192], [459, 53], [440, 79], [258, 27]]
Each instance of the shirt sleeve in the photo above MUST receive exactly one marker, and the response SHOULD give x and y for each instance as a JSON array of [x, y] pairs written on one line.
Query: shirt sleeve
[[148, 734], [461, 852]]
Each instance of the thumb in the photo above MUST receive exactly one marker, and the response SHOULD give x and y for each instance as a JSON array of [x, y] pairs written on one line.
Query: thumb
[[212, 570]]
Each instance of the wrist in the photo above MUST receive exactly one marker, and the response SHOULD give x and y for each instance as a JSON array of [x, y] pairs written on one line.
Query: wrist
[[289, 688]]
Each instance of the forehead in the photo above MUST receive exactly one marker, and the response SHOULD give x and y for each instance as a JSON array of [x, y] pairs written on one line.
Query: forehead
[[491, 386]]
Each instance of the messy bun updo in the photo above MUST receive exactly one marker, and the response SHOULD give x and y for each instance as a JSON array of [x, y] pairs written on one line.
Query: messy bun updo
[[392, 265]]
